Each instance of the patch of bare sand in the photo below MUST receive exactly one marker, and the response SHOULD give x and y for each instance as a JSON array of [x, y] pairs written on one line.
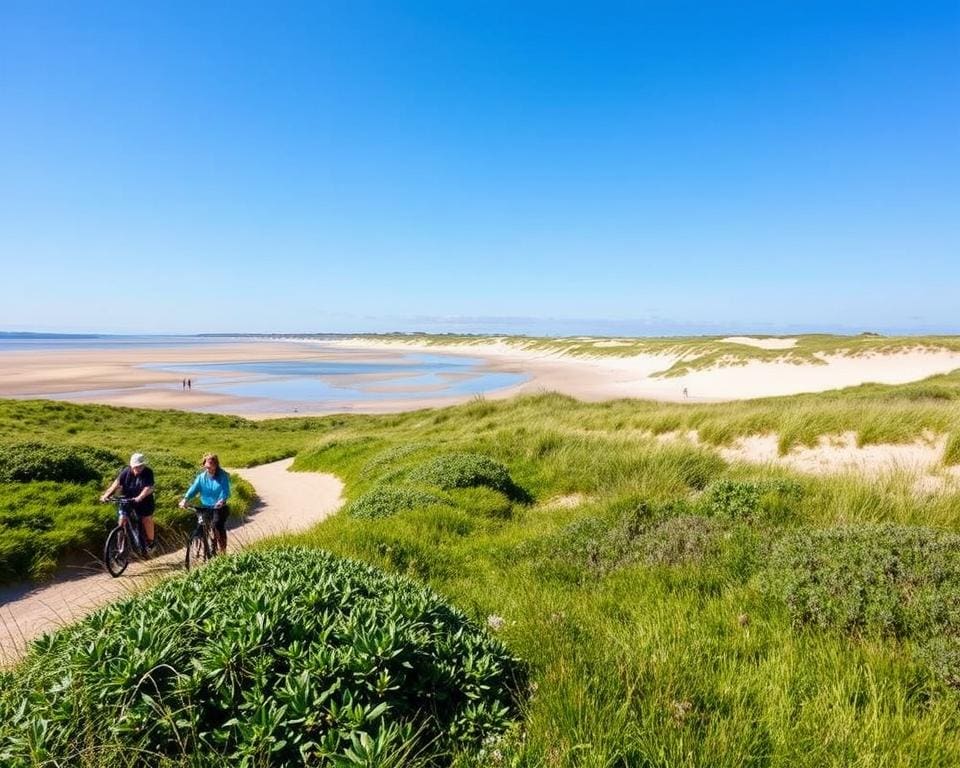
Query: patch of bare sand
[[287, 502], [751, 341], [567, 501], [922, 459]]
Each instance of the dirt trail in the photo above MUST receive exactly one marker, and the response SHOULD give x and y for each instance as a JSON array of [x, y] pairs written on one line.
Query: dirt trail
[[286, 502]]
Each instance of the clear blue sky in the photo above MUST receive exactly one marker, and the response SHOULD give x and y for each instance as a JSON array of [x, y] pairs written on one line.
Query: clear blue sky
[[646, 167]]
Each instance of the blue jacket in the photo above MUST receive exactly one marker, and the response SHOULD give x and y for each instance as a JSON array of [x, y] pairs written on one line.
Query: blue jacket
[[211, 489]]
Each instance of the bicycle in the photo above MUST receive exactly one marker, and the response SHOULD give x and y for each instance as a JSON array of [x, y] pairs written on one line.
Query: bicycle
[[127, 538], [202, 545]]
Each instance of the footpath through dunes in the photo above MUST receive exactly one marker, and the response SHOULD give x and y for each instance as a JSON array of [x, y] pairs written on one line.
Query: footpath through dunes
[[286, 502]]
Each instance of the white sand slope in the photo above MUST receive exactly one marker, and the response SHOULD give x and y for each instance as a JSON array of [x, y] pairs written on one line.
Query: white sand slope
[[287, 502], [750, 341]]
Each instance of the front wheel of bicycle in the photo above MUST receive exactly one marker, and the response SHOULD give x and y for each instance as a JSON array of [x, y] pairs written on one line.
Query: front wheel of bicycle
[[197, 550], [116, 552]]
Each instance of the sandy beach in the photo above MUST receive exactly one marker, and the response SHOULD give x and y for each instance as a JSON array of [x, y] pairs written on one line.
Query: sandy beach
[[606, 378], [120, 376]]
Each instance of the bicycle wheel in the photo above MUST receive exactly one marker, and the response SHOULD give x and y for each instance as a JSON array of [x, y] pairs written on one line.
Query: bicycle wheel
[[198, 551], [116, 552]]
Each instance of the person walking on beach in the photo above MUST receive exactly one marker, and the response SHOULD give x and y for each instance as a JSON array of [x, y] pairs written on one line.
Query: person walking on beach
[[136, 483], [189, 384], [183, 383], [213, 485]]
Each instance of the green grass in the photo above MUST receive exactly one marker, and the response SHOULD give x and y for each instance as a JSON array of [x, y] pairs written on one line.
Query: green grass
[[647, 613]]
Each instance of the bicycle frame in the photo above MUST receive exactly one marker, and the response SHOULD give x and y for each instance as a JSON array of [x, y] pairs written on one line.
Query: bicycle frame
[[202, 544], [128, 518]]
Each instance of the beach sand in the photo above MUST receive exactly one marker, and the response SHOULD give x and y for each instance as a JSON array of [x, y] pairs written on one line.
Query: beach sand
[[605, 377], [116, 377]]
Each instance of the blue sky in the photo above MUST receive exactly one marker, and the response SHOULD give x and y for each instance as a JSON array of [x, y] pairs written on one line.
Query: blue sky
[[637, 167]]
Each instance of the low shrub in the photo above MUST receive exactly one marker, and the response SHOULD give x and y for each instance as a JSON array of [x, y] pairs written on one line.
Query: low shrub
[[284, 657], [467, 470], [35, 461], [383, 501], [767, 501], [886, 579], [680, 540], [665, 534]]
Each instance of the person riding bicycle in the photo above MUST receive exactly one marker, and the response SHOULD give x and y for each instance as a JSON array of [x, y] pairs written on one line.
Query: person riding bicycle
[[213, 485], [136, 483]]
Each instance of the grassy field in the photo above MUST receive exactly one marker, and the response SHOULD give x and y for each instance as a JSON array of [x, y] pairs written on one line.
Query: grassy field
[[673, 609]]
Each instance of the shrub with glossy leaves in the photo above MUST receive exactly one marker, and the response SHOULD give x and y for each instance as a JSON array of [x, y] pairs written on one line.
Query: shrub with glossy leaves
[[281, 658], [467, 470], [34, 461], [386, 500]]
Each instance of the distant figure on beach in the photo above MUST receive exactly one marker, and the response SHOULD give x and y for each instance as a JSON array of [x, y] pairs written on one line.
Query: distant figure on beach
[[183, 383], [685, 394], [189, 384]]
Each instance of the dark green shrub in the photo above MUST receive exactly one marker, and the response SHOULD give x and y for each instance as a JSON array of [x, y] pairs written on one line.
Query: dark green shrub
[[467, 470], [33, 461], [383, 501], [281, 658], [768, 500], [886, 579]]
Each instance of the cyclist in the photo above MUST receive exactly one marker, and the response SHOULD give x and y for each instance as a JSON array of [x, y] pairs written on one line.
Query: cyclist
[[213, 485], [136, 483]]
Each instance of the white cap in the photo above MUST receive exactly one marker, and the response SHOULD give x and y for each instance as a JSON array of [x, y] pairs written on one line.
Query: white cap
[[138, 460]]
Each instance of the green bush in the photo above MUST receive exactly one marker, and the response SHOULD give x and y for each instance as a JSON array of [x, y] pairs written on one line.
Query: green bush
[[886, 579], [467, 470], [383, 501], [34, 461], [768, 501], [282, 658], [665, 534]]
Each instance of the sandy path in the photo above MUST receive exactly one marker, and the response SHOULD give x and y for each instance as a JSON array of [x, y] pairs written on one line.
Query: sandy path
[[286, 502]]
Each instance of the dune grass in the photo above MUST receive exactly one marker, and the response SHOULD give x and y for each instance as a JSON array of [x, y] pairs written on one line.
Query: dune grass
[[697, 352], [640, 656]]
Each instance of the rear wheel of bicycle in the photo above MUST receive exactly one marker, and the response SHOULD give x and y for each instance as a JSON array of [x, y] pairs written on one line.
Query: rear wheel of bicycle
[[197, 550], [116, 552]]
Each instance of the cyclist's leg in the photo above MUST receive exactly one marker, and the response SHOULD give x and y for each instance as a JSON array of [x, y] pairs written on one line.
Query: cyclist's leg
[[220, 527], [148, 527]]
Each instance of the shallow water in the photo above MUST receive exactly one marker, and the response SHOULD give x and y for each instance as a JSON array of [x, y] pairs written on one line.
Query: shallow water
[[316, 384]]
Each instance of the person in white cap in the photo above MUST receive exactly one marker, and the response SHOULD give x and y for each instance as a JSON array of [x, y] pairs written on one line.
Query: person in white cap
[[136, 483]]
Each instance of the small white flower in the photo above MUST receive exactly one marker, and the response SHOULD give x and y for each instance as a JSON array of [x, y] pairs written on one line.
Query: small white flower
[[495, 622]]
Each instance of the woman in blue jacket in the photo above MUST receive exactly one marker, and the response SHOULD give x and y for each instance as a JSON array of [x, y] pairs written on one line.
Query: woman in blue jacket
[[213, 485]]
